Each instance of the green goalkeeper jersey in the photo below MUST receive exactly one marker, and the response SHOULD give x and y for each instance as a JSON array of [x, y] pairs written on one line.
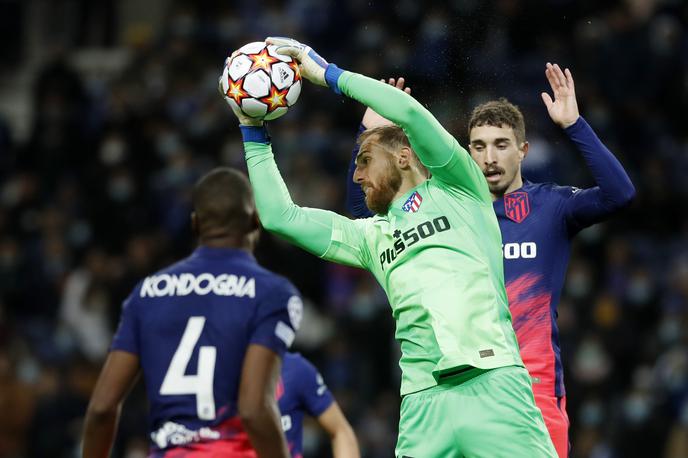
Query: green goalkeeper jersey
[[437, 252]]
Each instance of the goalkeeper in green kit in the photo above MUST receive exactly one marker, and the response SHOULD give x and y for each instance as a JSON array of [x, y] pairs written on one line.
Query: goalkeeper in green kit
[[435, 247]]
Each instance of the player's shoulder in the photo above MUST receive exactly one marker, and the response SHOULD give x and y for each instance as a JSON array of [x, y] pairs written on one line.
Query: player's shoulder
[[275, 283], [298, 367], [243, 276], [278, 293], [296, 359], [438, 188], [550, 189], [175, 267], [290, 360], [243, 265], [372, 227], [365, 220]]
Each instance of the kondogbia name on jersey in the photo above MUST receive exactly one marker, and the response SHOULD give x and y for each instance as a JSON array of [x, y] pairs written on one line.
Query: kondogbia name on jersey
[[184, 284]]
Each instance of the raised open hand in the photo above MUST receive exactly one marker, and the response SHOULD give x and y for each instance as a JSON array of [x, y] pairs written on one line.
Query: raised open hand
[[371, 119], [563, 109]]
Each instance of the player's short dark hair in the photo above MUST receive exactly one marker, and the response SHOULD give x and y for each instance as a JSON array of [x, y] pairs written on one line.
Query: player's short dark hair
[[223, 202], [499, 113], [393, 137]]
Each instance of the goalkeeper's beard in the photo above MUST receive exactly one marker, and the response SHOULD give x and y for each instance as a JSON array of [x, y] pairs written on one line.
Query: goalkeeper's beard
[[379, 198]]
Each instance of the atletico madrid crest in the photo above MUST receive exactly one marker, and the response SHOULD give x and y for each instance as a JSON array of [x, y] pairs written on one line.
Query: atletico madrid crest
[[516, 206], [412, 204]]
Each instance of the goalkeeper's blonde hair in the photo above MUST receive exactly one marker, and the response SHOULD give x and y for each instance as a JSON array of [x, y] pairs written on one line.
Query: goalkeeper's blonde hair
[[392, 138]]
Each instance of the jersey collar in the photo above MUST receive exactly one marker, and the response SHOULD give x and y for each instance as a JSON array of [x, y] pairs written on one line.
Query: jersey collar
[[396, 205], [204, 251], [526, 184]]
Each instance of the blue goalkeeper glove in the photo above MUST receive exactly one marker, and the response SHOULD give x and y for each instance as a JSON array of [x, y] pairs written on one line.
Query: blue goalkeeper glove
[[313, 67]]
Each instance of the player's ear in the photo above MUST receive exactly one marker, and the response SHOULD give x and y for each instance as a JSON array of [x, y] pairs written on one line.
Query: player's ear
[[253, 233], [405, 158], [194, 224], [523, 151], [254, 221]]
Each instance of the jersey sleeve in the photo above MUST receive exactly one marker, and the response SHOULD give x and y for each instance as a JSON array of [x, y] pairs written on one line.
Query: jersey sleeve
[[582, 207], [126, 337], [436, 148], [348, 243], [311, 229], [614, 190], [313, 393], [277, 318]]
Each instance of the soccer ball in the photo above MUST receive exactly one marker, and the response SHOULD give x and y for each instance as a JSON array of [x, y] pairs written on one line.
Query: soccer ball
[[260, 82]]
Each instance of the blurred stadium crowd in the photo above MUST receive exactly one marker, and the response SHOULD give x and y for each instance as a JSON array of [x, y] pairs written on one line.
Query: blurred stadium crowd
[[122, 116]]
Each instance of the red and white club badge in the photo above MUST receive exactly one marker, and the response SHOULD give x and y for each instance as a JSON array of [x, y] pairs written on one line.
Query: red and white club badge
[[517, 206]]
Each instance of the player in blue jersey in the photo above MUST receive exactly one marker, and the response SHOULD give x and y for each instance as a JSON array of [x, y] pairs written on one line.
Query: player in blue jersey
[[208, 334], [537, 222], [302, 390]]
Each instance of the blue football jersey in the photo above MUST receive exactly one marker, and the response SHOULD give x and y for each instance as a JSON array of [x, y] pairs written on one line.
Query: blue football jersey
[[537, 222], [301, 390], [190, 324]]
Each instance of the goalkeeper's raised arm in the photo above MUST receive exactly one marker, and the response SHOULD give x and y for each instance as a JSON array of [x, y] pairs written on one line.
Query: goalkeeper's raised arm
[[323, 233], [436, 148]]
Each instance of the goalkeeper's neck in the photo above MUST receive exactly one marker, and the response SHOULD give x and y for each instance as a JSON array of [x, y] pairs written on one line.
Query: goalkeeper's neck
[[410, 178]]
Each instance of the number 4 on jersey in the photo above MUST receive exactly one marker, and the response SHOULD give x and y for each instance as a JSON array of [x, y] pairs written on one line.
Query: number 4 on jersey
[[176, 382]]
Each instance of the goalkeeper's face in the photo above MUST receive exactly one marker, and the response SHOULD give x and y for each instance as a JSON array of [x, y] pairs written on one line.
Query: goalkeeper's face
[[498, 154], [378, 175]]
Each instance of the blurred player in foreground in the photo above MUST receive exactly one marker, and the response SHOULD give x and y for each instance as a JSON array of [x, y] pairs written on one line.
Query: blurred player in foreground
[[465, 390], [537, 222], [301, 389], [208, 333]]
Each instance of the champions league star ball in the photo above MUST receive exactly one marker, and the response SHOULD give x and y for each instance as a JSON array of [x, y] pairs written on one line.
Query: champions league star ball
[[260, 82]]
